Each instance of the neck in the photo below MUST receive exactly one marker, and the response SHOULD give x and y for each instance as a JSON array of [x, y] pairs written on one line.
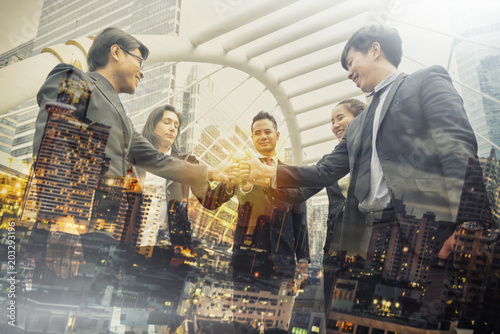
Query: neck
[[268, 154], [385, 71], [164, 149], [108, 74]]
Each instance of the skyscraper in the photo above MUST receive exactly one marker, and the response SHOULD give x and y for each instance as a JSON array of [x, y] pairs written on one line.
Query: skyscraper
[[67, 171], [317, 215], [478, 67], [8, 123]]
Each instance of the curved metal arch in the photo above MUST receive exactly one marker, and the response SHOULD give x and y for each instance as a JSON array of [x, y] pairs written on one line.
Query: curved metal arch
[[173, 48], [266, 36]]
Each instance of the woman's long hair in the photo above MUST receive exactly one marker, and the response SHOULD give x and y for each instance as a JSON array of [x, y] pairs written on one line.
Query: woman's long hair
[[148, 131]]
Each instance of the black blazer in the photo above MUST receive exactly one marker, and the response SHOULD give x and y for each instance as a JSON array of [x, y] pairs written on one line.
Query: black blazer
[[269, 228], [423, 143]]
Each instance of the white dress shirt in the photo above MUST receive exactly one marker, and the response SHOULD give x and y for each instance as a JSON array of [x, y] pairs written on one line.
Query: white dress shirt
[[155, 188], [378, 197]]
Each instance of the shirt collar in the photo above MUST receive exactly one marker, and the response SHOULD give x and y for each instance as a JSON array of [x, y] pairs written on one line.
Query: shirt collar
[[274, 157], [385, 84]]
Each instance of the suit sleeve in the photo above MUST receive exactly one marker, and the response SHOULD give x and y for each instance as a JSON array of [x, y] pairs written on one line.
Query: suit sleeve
[[327, 171], [450, 129], [145, 156], [295, 195], [47, 93], [291, 195], [212, 199], [300, 232]]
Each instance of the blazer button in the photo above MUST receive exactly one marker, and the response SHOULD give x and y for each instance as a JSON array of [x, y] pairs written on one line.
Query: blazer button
[[168, 192]]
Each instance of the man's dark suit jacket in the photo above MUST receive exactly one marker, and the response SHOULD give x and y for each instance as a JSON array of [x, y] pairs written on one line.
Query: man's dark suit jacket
[[423, 143], [106, 108], [270, 230]]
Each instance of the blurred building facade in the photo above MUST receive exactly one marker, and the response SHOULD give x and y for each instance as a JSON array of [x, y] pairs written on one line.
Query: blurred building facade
[[8, 124], [479, 67]]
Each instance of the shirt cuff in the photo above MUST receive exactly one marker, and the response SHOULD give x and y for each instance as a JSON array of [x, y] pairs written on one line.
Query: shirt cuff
[[244, 192], [230, 191], [274, 181]]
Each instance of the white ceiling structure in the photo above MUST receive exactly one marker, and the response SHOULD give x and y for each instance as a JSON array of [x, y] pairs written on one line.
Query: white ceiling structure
[[292, 47]]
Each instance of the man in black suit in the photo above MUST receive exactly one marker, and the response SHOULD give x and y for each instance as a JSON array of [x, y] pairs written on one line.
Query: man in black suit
[[115, 67], [271, 238], [407, 156]]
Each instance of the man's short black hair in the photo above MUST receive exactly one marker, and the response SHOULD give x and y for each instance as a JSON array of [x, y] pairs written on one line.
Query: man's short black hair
[[388, 38], [101, 46], [264, 115]]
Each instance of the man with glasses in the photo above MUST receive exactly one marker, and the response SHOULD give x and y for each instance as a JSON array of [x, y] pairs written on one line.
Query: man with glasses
[[141, 60], [115, 62]]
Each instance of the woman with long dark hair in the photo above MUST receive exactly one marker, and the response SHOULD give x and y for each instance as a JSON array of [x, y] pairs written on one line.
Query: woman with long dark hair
[[172, 226]]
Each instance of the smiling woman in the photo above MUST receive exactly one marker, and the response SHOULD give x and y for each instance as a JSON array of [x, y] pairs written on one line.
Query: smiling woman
[[343, 114]]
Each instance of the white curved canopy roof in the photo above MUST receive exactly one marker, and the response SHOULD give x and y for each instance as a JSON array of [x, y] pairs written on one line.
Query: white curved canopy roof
[[292, 47]]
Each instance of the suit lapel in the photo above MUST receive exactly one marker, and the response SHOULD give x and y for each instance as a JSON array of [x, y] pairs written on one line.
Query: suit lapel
[[169, 182], [110, 94], [390, 95]]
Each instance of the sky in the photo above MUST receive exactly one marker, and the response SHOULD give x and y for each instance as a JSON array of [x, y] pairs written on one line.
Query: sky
[[18, 22]]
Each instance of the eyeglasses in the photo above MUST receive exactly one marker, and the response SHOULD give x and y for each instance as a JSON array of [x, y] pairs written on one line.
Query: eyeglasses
[[136, 56]]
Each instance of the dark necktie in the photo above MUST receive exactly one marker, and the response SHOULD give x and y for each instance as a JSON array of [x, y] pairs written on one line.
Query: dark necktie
[[362, 186]]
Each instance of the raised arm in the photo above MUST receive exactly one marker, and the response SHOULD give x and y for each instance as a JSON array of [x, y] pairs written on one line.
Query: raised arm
[[327, 171]]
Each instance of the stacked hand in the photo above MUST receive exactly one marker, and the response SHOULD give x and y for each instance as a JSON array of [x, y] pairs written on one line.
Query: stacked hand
[[244, 171], [249, 171]]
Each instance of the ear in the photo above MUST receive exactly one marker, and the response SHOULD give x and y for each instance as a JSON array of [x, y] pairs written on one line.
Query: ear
[[115, 52], [277, 135], [376, 50]]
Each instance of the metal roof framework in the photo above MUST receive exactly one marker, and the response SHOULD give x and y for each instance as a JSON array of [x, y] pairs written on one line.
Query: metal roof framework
[[279, 43]]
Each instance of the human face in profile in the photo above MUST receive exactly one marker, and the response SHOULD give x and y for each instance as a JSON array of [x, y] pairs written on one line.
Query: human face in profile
[[361, 68], [341, 117], [130, 71], [167, 128]]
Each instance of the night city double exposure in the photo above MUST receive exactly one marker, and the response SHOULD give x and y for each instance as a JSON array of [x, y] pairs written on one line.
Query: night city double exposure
[[234, 167]]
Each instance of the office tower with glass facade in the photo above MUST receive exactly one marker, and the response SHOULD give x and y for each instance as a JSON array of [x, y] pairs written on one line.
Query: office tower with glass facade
[[8, 124], [478, 63]]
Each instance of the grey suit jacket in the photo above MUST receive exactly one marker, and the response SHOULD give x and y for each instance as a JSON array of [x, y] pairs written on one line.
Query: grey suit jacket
[[106, 108], [423, 143]]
